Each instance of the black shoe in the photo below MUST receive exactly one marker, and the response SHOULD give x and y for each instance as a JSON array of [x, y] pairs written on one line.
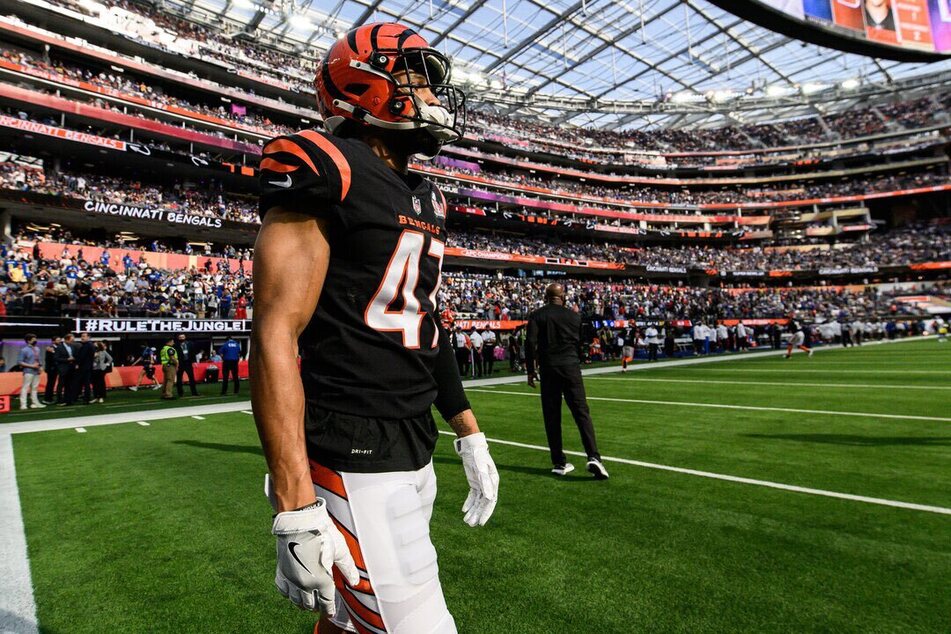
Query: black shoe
[[596, 468]]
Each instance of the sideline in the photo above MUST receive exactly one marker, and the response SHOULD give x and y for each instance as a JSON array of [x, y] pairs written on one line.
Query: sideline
[[873, 386], [753, 408], [740, 480], [17, 605]]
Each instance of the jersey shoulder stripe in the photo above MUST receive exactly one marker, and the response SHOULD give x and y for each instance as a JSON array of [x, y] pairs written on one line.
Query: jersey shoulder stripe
[[286, 146], [325, 145]]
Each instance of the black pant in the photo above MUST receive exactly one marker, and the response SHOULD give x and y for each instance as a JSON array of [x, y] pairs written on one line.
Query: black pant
[[652, 352], [186, 367], [51, 384], [229, 367], [558, 381], [488, 358], [81, 383], [462, 359], [99, 384], [63, 387]]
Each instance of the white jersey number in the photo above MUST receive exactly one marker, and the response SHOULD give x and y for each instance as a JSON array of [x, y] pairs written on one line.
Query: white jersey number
[[401, 280]]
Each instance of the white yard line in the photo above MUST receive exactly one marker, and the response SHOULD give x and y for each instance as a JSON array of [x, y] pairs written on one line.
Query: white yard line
[[753, 408], [198, 417], [827, 370], [873, 386], [17, 605], [80, 430], [740, 480]]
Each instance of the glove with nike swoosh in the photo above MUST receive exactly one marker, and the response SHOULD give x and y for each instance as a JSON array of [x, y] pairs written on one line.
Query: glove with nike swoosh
[[483, 478], [308, 546]]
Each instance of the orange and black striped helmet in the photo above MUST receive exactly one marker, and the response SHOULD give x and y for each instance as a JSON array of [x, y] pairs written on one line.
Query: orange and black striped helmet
[[372, 74]]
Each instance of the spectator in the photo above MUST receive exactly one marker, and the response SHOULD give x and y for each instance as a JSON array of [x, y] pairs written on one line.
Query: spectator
[[29, 362]]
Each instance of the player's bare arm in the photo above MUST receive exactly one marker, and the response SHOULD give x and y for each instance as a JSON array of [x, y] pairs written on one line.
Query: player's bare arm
[[287, 290]]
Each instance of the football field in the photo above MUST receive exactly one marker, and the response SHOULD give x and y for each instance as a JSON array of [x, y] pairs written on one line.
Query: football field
[[760, 495]]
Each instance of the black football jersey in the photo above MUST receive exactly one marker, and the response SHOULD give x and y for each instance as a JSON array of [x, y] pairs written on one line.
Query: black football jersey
[[371, 345]]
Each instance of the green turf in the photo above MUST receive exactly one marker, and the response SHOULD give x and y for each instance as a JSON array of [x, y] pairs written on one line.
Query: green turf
[[164, 528]]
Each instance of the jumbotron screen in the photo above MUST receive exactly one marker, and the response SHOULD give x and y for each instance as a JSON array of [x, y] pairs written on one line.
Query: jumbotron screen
[[923, 25]]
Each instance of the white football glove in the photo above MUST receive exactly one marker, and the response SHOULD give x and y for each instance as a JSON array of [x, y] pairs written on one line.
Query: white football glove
[[482, 476], [308, 546]]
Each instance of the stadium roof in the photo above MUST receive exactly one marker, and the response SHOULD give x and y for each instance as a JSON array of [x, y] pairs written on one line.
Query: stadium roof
[[606, 63]]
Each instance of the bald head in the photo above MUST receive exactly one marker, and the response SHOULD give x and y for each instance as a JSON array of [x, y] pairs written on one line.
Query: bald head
[[555, 294]]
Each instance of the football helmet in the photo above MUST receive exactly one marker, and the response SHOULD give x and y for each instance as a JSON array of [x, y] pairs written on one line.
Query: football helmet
[[373, 75]]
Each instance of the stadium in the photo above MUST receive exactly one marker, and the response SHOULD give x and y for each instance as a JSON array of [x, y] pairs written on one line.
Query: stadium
[[658, 290]]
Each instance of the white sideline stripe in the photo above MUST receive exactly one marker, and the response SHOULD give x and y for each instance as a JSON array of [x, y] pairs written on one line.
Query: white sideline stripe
[[198, 417], [248, 412], [825, 370], [777, 383], [738, 479], [80, 430], [754, 408], [121, 417], [17, 605], [143, 423]]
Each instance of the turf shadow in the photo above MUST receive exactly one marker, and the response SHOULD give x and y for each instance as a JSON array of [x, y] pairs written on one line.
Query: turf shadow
[[859, 441], [251, 449], [534, 471]]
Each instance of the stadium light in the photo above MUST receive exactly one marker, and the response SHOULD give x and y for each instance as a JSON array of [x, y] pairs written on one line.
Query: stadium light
[[301, 21], [813, 87], [851, 84]]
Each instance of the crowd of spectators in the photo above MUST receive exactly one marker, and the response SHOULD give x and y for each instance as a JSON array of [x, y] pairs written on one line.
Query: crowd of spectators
[[295, 71], [210, 200], [725, 193], [123, 85], [925, 242], [179, 197], [606, 146], [493, 297], [74, 285]]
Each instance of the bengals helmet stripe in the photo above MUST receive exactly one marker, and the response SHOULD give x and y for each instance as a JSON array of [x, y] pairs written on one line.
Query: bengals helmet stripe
[[372, 76]]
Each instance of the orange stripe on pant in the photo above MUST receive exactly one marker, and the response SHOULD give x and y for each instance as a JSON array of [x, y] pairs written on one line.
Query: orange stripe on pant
[[330, 480]]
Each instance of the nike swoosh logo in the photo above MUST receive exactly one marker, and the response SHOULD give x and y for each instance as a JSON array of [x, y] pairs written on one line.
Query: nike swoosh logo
[[291, 548], [287, 182]]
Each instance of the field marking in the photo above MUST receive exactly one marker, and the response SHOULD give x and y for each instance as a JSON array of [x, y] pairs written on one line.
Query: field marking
[[196, 417], [754, 408], [80, 430], [119, 418], [248, 412], [825, 371], [17, 603], [143, 423], [739, 479], [775, 383]]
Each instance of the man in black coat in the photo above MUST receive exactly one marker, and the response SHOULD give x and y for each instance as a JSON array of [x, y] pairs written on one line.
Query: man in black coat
[[65, 358], [85, 353], [554, 340], [186, 357], [52, 371]]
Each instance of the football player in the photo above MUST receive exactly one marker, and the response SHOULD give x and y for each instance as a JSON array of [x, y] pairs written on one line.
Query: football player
[[346, 272], [798, 339]]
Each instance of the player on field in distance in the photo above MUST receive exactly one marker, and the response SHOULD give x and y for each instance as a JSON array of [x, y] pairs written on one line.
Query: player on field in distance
[[147, 359], [798, 339], [347, 269]]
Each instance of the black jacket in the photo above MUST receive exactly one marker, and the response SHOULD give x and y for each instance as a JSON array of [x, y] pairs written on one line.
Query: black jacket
[[554, 337], [85, 355], [64, 352]]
